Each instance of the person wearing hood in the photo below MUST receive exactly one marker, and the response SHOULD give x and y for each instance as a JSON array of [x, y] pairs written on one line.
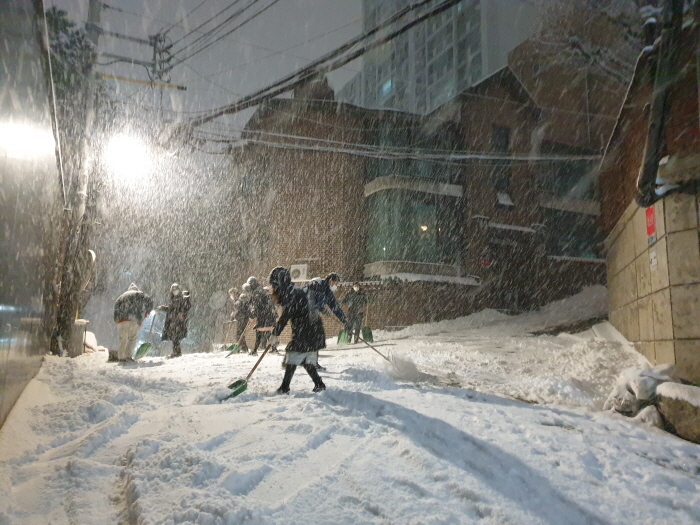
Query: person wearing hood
[[175, 327], [264, 313], [130, 309], [320, 295], [301, 349], [243, 311]]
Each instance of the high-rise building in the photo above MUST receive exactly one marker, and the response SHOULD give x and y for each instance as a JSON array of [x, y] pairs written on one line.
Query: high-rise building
[[426, 66]]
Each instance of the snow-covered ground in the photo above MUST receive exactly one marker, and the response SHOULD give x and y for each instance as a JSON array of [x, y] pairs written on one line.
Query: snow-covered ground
[[451, 442]]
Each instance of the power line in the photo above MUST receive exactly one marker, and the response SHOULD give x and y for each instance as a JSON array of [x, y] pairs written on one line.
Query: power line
[[408, 152], [282, 52], [207, 46], [164, 30], [313, 69], [210, 31]]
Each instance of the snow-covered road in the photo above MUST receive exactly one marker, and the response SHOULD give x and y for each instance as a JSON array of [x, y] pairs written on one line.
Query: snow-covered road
[[94, 442]]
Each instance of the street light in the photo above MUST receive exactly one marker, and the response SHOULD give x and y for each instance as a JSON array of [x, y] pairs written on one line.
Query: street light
[[128, 158], [25, 141]]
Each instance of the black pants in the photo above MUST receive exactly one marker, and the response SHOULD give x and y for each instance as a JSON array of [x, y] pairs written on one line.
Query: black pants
[[355, 324], [176, 347], [289, 373], [261, 340]]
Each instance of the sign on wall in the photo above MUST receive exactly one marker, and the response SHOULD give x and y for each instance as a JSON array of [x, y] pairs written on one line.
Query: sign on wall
[[651, 226]]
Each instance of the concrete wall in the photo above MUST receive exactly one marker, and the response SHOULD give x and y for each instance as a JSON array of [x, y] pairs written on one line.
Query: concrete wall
[[29, 202], [654, 282]]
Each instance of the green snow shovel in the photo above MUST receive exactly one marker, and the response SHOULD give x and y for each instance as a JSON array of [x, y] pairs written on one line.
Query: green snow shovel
[[145, 347], [343, 337], [240, 386], [233, 349]]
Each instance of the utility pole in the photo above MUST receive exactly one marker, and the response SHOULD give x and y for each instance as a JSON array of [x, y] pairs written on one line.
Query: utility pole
[[76, 228]]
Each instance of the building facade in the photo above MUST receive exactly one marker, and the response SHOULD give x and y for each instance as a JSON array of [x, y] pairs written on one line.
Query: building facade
[[431, 63], [653, 253]]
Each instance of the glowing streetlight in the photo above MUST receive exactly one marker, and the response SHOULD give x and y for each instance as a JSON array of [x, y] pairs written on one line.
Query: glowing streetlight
[[24, 141], [128, 158]]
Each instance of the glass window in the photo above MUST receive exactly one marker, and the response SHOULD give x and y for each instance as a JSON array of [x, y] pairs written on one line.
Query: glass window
[[411, 226]]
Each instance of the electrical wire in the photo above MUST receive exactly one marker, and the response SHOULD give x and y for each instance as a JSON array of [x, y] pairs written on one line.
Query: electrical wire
[[407, 152], [210, 44], [313, 69], [164, 30], [282, 52], [208, 33]]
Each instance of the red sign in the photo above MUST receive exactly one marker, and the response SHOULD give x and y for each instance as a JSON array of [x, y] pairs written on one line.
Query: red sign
[[651, 226], [485, 262], [651, 221]]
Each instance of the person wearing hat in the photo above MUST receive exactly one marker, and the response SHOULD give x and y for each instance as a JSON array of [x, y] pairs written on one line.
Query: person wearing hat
[[320, 295], [175, 327], [130, 309], [264, 313], [301, 349]]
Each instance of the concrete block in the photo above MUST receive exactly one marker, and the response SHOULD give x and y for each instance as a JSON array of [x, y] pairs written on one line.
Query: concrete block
[[688, 360], [681, 212], [659, 269], [683, 257], [686, 311], [639, 227], [660, 219], [628, 283], [643, 274], [613, 261], [646, 319], [647, 350], [665, 353], [632, 320], [681, 416], [626, 251], [661, 313]]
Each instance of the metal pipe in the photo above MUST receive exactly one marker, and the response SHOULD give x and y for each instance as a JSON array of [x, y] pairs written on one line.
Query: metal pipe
[[666, 76]]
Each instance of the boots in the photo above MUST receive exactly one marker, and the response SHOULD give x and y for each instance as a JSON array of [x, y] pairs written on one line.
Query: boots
[[288, 374], [319, 386]]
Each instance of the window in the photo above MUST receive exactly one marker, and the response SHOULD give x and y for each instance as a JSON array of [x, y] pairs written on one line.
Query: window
[[412, 226], [500, 143], [475, 68]]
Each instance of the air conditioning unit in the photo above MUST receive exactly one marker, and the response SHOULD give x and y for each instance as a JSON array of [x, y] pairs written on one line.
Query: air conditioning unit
[[299, 272]]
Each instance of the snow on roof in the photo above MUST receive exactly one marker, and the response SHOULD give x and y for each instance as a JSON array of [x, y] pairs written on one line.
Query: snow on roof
[[688, 393], [513, 227], [412, 277]]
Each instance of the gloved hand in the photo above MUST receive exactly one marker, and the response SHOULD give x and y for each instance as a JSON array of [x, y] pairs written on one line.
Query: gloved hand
[[273, 341]]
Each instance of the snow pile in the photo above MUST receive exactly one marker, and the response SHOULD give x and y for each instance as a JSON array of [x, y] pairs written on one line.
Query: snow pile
[[635, 391]]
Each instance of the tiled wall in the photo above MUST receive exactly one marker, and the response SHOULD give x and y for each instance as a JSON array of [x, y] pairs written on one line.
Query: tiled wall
[[654, 282]]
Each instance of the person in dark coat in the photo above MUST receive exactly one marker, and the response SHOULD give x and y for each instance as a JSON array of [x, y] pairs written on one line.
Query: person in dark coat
[[356, 302], [301, 349], [243, 312], [320, 295], [130, 309], [175, 327], [264, 314]]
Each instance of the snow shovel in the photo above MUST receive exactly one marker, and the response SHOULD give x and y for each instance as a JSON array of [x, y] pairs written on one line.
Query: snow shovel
[[343, 337], [234, 347], [241, 385], [145, 347], [385, 357]]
